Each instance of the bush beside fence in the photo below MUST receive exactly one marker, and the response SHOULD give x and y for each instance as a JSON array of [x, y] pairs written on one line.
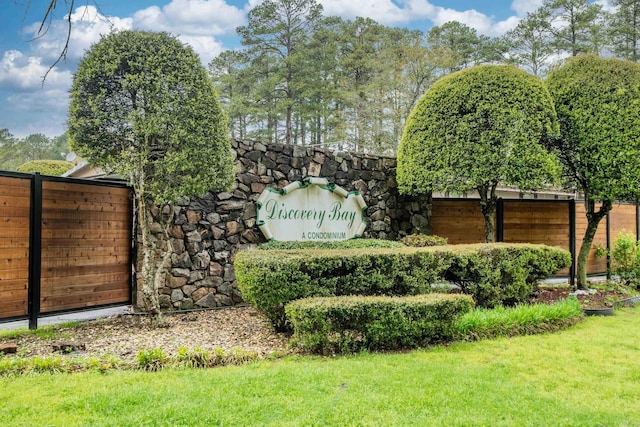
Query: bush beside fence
[[492, 273]]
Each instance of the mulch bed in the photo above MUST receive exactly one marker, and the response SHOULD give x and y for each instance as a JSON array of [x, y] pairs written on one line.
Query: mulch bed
[[600, 299]]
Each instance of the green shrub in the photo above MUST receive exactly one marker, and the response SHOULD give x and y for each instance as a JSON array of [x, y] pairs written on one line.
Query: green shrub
[[348, 324], [485, 323], [422, 240], [504, 274], [270, 279], [493, 274], [46, 167], [626, 258], [342, 244]]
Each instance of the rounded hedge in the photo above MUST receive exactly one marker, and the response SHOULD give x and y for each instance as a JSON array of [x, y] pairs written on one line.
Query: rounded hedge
[[46, 167]]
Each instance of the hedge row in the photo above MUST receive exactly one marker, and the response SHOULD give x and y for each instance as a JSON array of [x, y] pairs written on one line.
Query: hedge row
[[492, 273], [341, 244], [348, 324]]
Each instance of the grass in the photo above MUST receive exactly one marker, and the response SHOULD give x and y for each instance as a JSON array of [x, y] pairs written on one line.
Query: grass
[[483, 323], [588, 375], [44, 332]]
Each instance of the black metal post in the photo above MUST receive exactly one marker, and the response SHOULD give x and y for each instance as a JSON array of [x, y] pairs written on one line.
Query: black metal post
[[608, 219], [35, 250], [637, 221], [133, 249], [500, 220], [572, 242]]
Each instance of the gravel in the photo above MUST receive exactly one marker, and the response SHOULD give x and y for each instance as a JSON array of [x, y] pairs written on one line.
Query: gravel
[[125, 335]]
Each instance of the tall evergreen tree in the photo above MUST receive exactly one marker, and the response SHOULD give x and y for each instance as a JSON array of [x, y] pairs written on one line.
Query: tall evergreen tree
[[577, 25], [530, 43], [280, 30], [624, 29]]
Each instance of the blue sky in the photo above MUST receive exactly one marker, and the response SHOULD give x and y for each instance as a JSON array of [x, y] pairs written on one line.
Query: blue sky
[[29, 106]]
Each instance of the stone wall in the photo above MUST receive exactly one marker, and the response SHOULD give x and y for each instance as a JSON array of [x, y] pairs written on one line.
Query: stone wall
[[208, 231]]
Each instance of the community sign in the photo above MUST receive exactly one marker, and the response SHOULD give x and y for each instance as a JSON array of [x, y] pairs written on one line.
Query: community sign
[[311, 210]]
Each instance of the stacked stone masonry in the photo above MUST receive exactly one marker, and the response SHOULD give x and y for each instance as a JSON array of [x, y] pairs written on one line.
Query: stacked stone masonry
[[208, 231]]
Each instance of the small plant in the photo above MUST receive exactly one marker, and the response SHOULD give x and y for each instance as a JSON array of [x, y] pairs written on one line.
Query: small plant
[[626, 258], [152, 359]]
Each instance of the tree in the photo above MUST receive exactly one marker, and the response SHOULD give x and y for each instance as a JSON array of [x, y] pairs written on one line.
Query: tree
[[144, 107], [624, 28], [9, 154], [475, 129], [281, 29], [37, 147], [597, 103], [229, 72], [530, 42], [577, 25], [454, 46]]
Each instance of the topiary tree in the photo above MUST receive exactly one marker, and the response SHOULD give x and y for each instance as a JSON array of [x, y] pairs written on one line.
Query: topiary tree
[[46, 167], [475, 129], [597, 101], [143, 106]]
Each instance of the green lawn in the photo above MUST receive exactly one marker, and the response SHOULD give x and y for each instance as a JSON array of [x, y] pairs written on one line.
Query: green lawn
[[588, 375]]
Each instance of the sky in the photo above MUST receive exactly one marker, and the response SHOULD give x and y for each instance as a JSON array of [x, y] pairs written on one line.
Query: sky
[[29, 105]]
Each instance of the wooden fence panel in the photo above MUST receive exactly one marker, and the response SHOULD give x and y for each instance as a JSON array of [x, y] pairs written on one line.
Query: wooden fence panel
[[460, 221], [540, 222], [86, 238], [15, 196], [622, 218]]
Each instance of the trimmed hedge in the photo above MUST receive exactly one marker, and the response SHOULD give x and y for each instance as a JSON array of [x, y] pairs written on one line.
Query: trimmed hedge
[[348, 324], [504, 274], [342, 244], [46, 167], [270, 279], [423, 240], [493, 273]]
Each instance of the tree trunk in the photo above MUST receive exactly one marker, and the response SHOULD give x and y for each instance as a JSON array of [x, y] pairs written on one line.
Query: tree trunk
[[488, 204], [593, 220], [429, 212], [150, 300]]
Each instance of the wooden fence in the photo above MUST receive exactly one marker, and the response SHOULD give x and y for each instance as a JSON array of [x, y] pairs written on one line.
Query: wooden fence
[[65, 245], [552, 222]]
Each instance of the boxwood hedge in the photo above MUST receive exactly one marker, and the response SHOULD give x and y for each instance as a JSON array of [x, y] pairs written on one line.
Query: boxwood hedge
[[348, 324], [492, 273]]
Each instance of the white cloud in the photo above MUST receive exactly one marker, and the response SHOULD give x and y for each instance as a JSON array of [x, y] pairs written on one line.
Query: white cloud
[[206, 47], [522, 7], [86, 28], [26, 73], [390, 13], [191, 17]]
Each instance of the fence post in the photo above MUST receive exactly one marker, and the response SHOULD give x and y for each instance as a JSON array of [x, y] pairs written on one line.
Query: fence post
[[608, 245], [637, 221], [572, 242], [500, 220], [35, 250]]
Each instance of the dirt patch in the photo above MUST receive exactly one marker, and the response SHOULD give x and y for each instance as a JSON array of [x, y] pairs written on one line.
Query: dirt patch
[[125, 335], [598, 299]]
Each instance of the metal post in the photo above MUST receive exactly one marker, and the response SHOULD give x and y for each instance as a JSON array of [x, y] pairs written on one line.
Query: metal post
[[637, 221], [572, 242], [608, 219], [500, 220], [35, 250]]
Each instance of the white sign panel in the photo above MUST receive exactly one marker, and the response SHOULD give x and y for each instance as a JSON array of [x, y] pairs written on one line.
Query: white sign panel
[[311, 210]]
